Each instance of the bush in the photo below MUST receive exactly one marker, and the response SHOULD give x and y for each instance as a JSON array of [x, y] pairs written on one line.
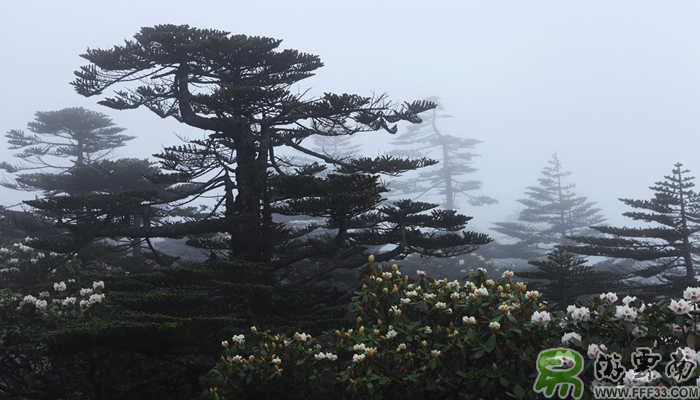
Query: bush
[[440, 339]]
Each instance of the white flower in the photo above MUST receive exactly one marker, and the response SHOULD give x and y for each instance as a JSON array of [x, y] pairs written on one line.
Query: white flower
[[303, 336], [358, 358], [33, 260], [331, 356], [428, 330], [4, 250], [494, 326], [100, 285], [454, 285], [96, 298], [405, 301], [569, 337], [29, 299], [84, 303], [504, 308], [41, 304], [692, 294], [391, 334], [625, 313], [240, 339], [610, 297], [507, 274], [677, 329], [638, 332], [360, 347], [632, 378], [429, 296], [59, 286], [628, 299], [581, 314], [481, 292], [13, 261], [386, 275], [69, 301], [533, 294], [440, 305], [680, 307], [454, 296], [236, 359], [687, 353], [85, 292], [276, 361], [594, 350], [412, 293], [542, 316], [469, 321], [319, 356]]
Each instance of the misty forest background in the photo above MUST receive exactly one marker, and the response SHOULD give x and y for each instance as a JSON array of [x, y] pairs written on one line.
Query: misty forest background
[[265, 219]]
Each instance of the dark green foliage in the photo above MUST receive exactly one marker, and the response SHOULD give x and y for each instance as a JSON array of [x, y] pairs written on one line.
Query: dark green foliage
[[445, 180], [239, 89], [552, 213], [564, 279], [666, 247]]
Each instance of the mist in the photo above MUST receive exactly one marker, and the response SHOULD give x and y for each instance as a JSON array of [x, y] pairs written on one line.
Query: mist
[[611, 87]]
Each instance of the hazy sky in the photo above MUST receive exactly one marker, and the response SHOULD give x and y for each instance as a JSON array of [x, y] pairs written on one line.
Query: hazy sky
[[613, 87]]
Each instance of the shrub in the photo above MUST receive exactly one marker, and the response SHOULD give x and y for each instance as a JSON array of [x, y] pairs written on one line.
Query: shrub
[[438, 339]]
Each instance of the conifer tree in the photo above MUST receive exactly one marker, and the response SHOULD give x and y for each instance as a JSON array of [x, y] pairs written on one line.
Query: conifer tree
[[238, 88], [552, 213], [563, 279], [667, 247], [81, 135], [445, 179]]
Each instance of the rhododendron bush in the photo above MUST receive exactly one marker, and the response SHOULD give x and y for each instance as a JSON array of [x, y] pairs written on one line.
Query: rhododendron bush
[[428, 338]]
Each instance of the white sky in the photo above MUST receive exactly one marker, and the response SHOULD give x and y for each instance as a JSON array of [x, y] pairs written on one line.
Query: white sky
[[613, 87]]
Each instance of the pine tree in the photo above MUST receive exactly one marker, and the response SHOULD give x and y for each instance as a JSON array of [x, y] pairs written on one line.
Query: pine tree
[[82, 135], [445, 179], [552, 213], [238, 88], [563, 279], [667, 249]]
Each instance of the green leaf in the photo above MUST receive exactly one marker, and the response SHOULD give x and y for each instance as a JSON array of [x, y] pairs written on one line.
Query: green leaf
[[503, 381], [491, 343], [518, 391]]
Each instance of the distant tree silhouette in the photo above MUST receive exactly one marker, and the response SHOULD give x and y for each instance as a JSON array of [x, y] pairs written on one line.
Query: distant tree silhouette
[[445, 179], [81, 135], [552, 213]]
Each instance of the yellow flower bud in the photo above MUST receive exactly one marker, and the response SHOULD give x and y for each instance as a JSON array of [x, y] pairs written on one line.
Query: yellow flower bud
[[371, 258], [394, 267]]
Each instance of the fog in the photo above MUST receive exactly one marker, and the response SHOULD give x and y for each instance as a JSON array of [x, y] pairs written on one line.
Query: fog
[[612, 87]]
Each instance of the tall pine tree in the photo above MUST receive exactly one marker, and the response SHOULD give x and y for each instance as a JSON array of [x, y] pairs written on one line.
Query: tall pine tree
[[447, 179], [238, 88], [552, 213], [667, 247]]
